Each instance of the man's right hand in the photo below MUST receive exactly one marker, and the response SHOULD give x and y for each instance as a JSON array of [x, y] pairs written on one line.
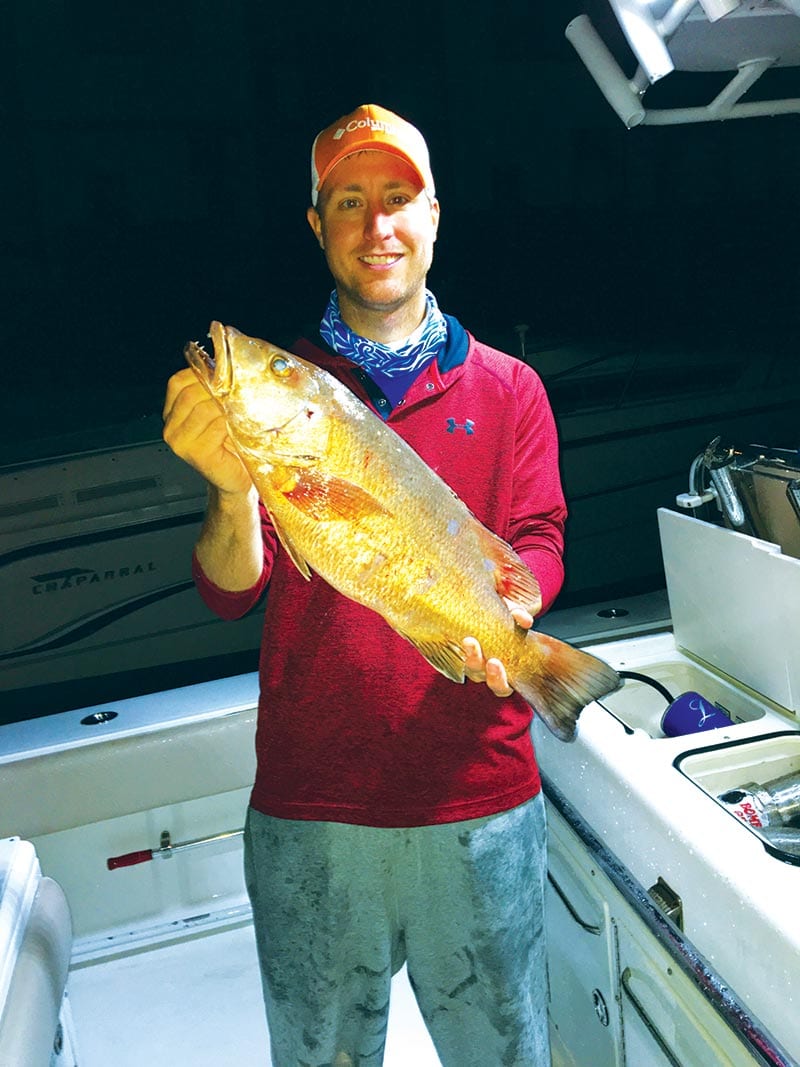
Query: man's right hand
[[229, 548], [195, 430]]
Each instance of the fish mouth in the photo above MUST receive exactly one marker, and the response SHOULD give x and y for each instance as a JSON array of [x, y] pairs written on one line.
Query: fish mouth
[[214, 370]]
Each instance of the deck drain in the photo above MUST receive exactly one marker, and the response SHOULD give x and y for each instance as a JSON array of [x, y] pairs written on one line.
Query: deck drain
[[613, 613], [98, 717]]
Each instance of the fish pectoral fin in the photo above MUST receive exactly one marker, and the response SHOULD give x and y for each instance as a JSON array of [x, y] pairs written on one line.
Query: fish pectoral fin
[[295, 556], [512, 579], [325, 496], [445, 656]]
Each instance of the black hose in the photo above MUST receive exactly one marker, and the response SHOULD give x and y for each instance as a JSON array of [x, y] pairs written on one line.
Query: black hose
[[648, 681]]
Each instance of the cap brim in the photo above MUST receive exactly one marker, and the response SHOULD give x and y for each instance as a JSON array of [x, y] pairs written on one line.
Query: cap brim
[[369, 146]]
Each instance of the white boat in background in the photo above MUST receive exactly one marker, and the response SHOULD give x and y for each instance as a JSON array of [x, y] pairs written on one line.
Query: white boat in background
[[95, 552]]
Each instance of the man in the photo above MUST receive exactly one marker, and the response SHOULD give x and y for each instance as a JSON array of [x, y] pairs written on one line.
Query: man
[[395, 816]]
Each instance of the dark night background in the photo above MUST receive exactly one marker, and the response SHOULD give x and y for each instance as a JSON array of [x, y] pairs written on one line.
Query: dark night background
[[156, 175]]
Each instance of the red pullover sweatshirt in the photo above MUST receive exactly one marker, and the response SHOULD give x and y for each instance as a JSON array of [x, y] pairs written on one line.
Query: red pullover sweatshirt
[[354, 725]]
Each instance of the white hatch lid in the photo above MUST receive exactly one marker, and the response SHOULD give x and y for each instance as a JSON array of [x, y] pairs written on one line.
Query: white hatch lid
[[735, 604]]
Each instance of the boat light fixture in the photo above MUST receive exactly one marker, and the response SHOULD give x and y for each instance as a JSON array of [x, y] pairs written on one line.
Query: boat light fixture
[[696, 36]]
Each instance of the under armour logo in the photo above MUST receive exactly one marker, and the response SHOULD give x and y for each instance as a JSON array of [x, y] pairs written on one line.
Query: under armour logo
[[468, 426]]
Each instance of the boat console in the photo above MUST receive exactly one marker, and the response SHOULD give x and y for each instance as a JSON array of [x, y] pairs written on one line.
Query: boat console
[[704, 823]]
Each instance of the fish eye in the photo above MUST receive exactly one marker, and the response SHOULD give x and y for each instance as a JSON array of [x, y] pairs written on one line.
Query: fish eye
[[280, 366]]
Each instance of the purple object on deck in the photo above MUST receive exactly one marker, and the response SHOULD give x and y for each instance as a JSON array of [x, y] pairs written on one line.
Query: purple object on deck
[[691, 713]]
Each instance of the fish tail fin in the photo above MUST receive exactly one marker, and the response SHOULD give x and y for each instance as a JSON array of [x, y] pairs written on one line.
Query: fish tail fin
[[562, 683]]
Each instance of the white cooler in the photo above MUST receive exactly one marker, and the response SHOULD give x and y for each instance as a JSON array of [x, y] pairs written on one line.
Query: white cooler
[[35, 945]]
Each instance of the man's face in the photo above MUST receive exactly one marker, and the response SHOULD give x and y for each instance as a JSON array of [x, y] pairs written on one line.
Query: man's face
[[377, 228]]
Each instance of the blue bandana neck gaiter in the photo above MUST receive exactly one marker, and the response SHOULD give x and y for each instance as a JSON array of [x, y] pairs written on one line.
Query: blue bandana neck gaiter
[[393, 369]]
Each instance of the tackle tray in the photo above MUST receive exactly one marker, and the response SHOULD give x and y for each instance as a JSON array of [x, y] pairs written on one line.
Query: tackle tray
[[715, 769]]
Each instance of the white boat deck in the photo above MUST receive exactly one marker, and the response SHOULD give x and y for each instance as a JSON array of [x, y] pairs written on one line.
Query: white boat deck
[[198, 1001]]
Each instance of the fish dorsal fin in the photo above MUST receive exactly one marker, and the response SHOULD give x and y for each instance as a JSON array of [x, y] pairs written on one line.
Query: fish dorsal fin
[[512, 579], [445, 656], [326, 497]]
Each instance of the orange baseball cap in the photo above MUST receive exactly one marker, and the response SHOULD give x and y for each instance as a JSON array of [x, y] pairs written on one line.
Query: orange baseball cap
[[370, 128]]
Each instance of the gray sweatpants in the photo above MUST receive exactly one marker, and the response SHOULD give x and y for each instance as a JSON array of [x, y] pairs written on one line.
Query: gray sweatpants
[[338, 909]]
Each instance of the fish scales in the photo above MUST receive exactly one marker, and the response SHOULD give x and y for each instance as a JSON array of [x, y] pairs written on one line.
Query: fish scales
[[353, 502]]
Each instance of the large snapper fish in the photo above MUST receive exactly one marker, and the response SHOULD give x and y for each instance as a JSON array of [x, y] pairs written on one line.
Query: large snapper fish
[[353, 502]]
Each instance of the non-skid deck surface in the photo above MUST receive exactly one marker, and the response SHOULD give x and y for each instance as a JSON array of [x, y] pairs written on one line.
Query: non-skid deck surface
[[197, 1003]]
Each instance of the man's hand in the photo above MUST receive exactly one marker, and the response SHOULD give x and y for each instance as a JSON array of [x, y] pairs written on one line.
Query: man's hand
[[229, 548], [195, 430], [492, 671]]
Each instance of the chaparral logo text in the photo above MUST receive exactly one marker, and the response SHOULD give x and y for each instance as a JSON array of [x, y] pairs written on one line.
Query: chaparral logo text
[[75, 577]]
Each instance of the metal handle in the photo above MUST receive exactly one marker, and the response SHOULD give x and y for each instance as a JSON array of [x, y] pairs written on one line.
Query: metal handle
[[648, 1022], [588, 927], [129, 859]]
